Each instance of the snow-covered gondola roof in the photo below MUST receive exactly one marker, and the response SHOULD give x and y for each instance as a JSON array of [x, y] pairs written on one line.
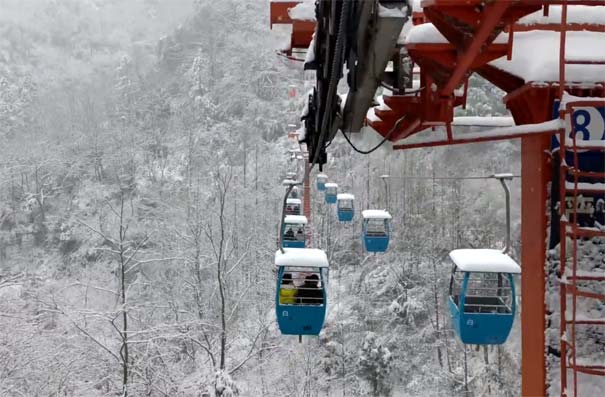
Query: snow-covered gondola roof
[[345, 196], [375, 214], [293, 201], [484, 260], [331, 184], [296, 219], [301, 257]]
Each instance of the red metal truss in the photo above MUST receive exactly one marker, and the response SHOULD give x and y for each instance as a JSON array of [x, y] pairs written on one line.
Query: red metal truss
[[470, 27]]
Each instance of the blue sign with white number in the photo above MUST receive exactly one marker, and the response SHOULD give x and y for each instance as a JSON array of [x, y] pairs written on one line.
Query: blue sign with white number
[[589, 125]]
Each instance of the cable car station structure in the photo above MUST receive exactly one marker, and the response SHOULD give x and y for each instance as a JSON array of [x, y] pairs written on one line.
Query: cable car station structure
[[510, 44]]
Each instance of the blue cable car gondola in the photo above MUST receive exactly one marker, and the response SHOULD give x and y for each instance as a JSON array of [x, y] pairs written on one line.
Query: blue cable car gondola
[[345, 207], [331, 191], [376, 230], [301, 297], [294, 192], [482, 290], [321, 182], [294, 231], [293, 206], [482, 295]]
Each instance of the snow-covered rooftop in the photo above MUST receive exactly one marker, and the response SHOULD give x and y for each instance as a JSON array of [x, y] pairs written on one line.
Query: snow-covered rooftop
[[293, 201], [287, 182], [345, 196], [536, 56], [322, 176], [301, 257], [331, 184], [484, 260], [296, 219], [375, 214]]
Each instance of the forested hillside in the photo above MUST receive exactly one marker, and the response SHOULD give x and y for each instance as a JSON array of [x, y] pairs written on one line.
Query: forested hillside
[[143, 144]]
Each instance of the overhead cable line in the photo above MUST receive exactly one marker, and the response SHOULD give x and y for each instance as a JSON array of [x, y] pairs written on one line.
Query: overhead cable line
[[448, 177]]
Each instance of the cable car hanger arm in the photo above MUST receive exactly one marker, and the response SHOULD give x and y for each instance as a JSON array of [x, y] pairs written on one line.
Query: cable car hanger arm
[[503, 178]]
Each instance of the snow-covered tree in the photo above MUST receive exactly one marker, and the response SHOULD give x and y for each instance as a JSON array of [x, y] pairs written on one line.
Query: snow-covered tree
[[375, 364]]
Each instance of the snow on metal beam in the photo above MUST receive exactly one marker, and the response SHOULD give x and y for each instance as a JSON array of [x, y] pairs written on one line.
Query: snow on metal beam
[[496, 134]]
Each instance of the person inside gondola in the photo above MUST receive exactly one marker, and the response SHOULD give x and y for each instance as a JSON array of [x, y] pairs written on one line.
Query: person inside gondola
[[310, 293], [287, 291], [300, 236], [289, 234]]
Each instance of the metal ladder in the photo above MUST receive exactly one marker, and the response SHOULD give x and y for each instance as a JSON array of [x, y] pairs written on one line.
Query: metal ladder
[[577, 285]]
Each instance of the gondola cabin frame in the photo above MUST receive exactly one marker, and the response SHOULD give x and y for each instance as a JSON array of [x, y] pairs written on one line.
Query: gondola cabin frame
[[331, 192], [304, 315], [294, 192], [345, 207], [482, 284], [294, 231], [376, 230], [321, 180], [293, 206]]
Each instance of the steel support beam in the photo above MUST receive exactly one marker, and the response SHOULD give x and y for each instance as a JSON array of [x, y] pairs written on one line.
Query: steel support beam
[[535, 175], [462, 140]]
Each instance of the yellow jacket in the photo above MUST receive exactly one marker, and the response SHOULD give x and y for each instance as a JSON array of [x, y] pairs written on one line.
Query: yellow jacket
[[287, 296]]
